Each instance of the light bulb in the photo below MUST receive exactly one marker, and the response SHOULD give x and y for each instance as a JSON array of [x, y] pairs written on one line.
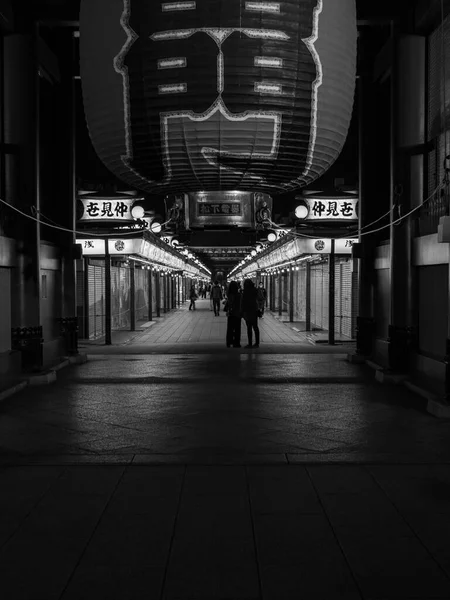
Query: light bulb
[[137, 212], [301, 211]]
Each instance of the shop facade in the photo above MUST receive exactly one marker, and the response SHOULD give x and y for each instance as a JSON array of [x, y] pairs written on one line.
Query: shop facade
[[296, 275], [146, 278]]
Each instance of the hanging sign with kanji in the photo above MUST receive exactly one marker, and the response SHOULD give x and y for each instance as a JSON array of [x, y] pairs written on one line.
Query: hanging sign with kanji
[[223, 208], [107, 209], [331, 209]]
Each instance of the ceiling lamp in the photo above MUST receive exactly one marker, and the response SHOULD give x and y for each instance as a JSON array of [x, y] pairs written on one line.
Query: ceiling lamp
[[223, 95], [272, 236]]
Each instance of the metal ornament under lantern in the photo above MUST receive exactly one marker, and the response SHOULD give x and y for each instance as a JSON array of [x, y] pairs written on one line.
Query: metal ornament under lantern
[[226, 95]]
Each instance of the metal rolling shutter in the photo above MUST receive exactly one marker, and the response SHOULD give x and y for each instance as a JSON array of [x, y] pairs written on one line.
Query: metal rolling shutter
[[141, 279], [96, 281], [343, 298], [355, 302], [124, 298], [319, 296], [114, 297], [120, 297], [313, 296], [300, 294], [324, 290]]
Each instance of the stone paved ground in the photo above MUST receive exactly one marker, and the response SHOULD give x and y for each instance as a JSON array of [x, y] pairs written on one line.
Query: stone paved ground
[[170, 468]]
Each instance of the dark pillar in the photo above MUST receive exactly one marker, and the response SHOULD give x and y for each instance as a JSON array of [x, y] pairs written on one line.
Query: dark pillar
[[158, 292], [291, 294], [331, 294], [308, 297], [166, 292], [21, 105], [398, 335], [107, 295], [69, 307], [175, 290], [86, 298], [273, 292], [132, 296], [150, 294], [280, 293]]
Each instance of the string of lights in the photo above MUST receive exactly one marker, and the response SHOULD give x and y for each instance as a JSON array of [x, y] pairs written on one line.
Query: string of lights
[[360, 231], [54, 225]]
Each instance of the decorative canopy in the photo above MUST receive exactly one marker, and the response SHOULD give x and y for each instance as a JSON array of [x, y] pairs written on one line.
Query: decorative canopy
[[201, 95]]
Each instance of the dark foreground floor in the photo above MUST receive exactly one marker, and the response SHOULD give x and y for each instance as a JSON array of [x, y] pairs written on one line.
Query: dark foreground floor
[[221, 474]]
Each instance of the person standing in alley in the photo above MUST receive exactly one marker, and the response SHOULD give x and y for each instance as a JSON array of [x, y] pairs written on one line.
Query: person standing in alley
[[250, 312], [262, 297], [192, 297], [216, 297], [233, 308]]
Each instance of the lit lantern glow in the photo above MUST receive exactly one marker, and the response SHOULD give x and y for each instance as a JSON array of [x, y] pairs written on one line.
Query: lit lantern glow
[[155, 227], [137, 212], [301, 211], [224, 95]]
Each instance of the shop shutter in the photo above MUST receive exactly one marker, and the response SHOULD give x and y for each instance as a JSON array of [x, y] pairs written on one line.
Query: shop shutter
[[343, 298], [319, 296], [96, 282], [355, 302], [115, 297], [99, 301], [313, 296], [91, 295], [141, 279]]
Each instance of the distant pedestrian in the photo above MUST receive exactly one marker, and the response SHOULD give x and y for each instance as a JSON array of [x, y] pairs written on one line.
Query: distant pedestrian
[[261, 297], [193, 297], [233, 307], [250, 312], [216, 297]]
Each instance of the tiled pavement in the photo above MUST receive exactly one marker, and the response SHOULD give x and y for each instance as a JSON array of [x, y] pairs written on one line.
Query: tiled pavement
[[168, 468]]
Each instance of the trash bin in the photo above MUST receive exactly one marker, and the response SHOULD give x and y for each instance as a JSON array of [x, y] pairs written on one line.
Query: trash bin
[[365, 333], [69, 331], [29, 341]]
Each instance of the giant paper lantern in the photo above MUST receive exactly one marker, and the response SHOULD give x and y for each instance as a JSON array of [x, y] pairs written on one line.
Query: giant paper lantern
[[218, 94]]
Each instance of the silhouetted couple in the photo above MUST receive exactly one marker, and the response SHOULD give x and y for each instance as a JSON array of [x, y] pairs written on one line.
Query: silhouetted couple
[[245, 306]]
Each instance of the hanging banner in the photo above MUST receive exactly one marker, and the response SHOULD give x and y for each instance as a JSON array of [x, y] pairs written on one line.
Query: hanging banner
[[330, 209], [107, 209]]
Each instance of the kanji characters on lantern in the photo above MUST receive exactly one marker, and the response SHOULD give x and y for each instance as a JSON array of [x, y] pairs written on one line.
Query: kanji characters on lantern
[[220, 95]]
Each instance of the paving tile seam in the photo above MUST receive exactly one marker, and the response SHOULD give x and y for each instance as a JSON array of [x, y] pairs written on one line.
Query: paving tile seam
[[92, 534], [335, 536], [38, 500], [172, 536], [284, 460], [252, 522], [407, 523], [237, 381]]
